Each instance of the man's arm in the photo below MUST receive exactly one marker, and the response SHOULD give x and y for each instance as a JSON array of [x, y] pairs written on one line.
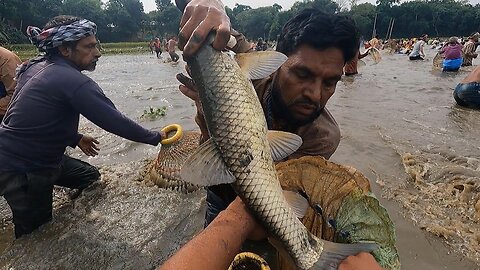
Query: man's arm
[[363, 55], [216, 246], [92, 103]]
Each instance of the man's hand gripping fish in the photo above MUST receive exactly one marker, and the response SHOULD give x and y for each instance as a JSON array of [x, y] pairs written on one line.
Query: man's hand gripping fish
[[241, 151]]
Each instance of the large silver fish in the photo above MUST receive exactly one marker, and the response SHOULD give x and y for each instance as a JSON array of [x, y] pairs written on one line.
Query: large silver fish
[[241, 151]]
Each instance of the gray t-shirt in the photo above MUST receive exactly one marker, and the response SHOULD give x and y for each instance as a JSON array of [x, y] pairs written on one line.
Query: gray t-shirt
[[417, 49]]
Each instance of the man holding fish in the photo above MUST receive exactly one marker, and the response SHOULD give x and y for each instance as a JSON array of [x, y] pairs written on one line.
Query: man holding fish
[[238, 151], [294, 97]]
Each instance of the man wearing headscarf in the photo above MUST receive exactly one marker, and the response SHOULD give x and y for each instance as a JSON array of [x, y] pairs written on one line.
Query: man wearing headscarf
[[51, 93], [8, 64], [42, 120]]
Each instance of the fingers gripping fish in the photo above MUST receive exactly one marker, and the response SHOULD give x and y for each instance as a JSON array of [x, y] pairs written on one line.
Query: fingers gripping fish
[[241, 151]]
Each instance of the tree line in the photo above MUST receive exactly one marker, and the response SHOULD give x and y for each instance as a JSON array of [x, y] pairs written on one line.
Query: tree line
[[125, 20]]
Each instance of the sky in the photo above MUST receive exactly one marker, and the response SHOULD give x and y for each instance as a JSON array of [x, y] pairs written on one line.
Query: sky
[[149, 5]]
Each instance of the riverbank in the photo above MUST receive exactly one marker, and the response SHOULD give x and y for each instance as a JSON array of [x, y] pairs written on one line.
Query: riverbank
[[27, 51]]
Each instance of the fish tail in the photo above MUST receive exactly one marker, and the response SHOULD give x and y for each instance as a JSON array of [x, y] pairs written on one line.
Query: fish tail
[[334, 253]]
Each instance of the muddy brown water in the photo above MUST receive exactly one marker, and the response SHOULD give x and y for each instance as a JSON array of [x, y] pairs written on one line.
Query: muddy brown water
[[400, 127]]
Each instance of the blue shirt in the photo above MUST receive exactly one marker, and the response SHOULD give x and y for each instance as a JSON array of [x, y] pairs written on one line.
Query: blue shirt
[[43, 116]]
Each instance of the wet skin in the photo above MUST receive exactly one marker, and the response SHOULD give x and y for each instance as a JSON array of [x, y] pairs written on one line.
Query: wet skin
[[85, 55], [307, 80]]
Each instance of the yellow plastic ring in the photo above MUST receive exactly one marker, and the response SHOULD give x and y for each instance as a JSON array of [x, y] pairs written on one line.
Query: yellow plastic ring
[[177, 136], [249, 256]]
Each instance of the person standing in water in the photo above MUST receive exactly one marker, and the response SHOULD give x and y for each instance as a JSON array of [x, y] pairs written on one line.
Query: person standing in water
[[453, 55], [417, 51], [171, 46], [351, 67], [43, 117], [469, 49], [157, 45]]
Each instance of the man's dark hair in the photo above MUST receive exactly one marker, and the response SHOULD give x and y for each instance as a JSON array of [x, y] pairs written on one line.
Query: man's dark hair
[[321, 31], [58, 21]]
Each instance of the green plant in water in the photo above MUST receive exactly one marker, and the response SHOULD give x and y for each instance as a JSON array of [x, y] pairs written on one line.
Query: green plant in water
[[154, 113]]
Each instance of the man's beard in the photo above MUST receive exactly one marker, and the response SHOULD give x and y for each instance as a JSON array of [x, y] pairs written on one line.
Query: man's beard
[[282, 109], [91, 67]]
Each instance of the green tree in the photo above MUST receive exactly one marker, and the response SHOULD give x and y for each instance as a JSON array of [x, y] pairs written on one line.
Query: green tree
[[162, 5], [278, 23], [256, 23], [91, 10], [240, 8], [327, 6], [165, 23], [231, 15], [124, 19], [364, 16]]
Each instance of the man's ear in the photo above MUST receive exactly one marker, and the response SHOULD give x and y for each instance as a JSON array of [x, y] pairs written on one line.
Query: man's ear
[[65, 51]]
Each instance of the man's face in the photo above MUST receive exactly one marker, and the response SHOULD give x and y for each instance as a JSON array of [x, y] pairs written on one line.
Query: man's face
[[86, 54], [305, 82]]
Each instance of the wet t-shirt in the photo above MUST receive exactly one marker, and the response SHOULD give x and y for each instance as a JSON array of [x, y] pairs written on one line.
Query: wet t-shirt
[[453, 51], [43, 117]]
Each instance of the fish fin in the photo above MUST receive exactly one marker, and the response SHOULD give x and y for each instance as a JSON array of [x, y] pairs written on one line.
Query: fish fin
[[205, 167], [283, 143], [297, 202], [259, 65], [334, 253]]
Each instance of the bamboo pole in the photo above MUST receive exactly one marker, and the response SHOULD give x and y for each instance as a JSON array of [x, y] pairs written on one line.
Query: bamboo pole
[[391, 29], [388, 29]]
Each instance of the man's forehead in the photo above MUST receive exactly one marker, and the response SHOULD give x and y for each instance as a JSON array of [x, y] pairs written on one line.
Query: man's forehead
[[87, 40], [328, 60]]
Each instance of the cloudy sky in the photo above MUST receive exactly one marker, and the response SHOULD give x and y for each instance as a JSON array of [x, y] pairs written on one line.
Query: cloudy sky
[[149, 5]]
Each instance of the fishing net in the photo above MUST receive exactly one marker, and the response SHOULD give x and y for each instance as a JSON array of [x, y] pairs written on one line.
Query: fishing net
[[164, 171], [248, 261], [375, 55], [438, 61], [342, 207]]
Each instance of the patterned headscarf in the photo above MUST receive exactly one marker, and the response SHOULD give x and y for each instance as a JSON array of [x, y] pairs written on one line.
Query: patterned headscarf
[[53, 37]]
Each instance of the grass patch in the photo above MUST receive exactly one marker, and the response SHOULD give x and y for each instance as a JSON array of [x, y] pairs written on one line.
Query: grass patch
[[27, 51]]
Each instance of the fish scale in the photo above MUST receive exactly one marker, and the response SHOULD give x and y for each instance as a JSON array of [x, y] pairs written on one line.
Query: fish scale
[[237, 125]]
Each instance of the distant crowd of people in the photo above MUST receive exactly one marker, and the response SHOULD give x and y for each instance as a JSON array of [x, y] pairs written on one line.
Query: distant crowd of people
[[455, 52], [45, 96], [452, 54]]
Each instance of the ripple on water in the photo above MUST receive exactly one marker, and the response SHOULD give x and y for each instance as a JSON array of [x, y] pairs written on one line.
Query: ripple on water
[[119, 224]]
